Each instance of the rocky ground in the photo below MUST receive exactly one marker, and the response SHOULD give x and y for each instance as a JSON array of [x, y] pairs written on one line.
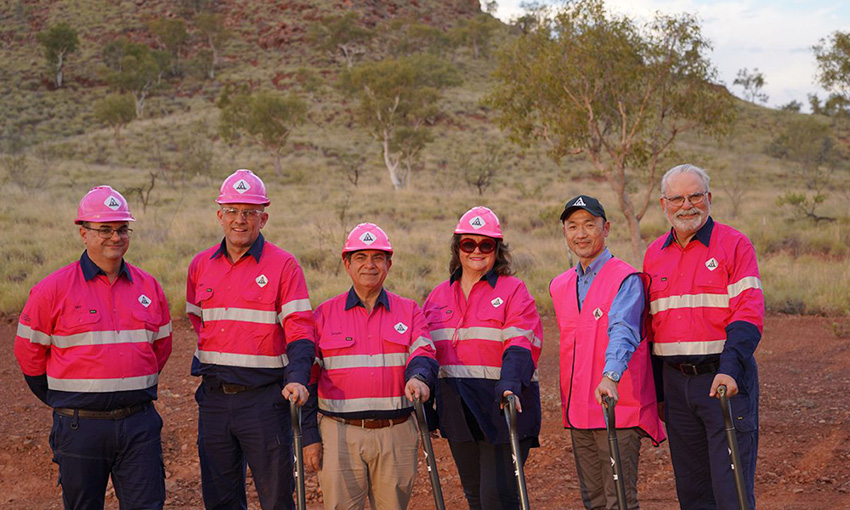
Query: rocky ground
[[803, 457]]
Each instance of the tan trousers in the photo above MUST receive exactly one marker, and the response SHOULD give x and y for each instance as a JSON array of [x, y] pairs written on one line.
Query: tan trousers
[[358, 462], [590, 448]]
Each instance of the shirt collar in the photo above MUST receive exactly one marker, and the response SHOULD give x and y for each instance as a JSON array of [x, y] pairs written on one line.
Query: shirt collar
[[597, 263], [703, 235], [255, 250], [90, 269], [354, 300], [492, 277]]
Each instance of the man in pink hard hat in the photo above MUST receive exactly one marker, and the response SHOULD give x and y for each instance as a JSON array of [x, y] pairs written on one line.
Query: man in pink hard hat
[[247, 300], [375, 357], [91, 342]]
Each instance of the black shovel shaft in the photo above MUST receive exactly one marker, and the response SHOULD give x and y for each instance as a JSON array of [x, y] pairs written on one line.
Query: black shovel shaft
[[614, 451], [732, 439], [516, 453], [300, 493], [431, 461]]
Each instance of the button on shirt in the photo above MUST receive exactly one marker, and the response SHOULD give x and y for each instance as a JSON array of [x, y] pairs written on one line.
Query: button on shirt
[[624, 322]]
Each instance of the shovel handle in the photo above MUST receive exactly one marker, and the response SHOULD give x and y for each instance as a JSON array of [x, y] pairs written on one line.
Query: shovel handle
[[614, 450], [431, 460], [295, 416], [732, 440], [516, 453]]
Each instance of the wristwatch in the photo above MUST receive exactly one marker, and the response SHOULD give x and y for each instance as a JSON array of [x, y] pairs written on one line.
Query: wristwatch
[[614, 376]]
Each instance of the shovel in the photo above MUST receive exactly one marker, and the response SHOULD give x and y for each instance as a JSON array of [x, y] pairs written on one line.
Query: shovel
[[295, 414], [431, 461], [614, 451], [732, 439], [511, 418]]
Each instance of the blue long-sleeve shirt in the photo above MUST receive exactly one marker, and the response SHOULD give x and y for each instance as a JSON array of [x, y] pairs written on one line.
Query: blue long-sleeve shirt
[[624, 318]]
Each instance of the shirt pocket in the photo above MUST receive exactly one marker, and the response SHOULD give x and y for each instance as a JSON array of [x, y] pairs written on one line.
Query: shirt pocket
[[492, 313], [396, 336], [713, 281], [658, 284], [80, 318], [439, 317], [331, 342]]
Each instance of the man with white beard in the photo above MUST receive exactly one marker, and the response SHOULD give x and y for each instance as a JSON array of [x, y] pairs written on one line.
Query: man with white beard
[[707, 316]]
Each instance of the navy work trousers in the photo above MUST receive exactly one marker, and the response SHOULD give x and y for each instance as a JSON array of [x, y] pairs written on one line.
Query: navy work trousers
[[88, 451], [250, 427], [698, 446], [487, 473]]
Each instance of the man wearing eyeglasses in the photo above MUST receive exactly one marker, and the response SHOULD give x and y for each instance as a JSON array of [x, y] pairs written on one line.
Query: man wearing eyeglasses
[[91, 342], [707, 316], [599, 305], [247, 300]]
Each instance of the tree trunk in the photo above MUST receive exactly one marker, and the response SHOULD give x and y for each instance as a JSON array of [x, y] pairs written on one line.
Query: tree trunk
[[59, 68], [392, 167]]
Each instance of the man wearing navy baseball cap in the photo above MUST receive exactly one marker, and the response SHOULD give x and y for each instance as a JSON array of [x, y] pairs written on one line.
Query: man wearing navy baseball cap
[[599, 305]]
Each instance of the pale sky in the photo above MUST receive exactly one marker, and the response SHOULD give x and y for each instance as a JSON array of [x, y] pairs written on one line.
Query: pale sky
[[774, 36]]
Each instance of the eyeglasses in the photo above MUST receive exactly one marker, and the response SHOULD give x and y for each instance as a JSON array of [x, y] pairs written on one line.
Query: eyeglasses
[[484, 246], [232, 213], [694, 199], [106, 232]]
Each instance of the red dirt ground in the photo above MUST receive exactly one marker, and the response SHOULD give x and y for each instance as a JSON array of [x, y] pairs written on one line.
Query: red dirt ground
[[804, 455]]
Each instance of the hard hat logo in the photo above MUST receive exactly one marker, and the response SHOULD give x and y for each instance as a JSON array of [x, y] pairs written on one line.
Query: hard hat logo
[[112, 203], [367, 238], [241, 186], [477, 222]]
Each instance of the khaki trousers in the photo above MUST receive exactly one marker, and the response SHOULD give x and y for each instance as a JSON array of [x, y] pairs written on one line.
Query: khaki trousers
[[590, 448], [358, 462]]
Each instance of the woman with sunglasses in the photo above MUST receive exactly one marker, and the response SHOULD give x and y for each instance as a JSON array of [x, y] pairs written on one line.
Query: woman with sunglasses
[[488, 337]]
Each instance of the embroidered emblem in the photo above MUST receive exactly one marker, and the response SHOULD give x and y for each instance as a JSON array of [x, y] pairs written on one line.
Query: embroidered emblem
[[112, 203], [241, 186], [597, 314], [497, 302], [580, 202], [400, 327], [477, 222], [144, 300], [367, 238], [711, 264], [262, 281]]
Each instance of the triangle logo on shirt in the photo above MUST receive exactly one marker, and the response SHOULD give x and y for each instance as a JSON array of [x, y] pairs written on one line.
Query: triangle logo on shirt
[[400, 327], [497, 302], [262, 281], [144, 300], [711, 264], [597, 314]]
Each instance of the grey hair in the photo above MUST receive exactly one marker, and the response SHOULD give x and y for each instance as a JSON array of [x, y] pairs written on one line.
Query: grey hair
[[687, 168]]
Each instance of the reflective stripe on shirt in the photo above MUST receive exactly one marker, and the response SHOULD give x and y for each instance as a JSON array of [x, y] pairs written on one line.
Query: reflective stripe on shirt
[[296, 305], [194, 310], [746, 283], [103, 385], [354, 405], [420, 342], [688, 348], [475, 372], [365, 361], [239, 315], [36, 337], [241, 360], [484, 333]]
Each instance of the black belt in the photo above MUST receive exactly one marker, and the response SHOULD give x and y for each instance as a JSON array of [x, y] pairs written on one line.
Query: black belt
[[231, 389], [369, 424], [115, 414], [691, 369]]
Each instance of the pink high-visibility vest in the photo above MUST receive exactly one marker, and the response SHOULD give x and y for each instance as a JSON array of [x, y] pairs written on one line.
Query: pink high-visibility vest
[[584, 339]]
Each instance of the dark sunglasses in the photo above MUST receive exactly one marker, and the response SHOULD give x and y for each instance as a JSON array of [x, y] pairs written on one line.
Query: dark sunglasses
[[485, 246]]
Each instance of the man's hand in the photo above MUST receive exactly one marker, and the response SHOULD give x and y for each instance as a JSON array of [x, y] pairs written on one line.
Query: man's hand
[[417, 389], [313, 457], [504, 401], [298, 390], [606, 388], [728, 381]]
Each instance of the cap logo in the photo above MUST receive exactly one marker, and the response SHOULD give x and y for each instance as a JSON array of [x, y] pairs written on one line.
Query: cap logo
[[112, 203], [262, 281], [477, 222], [497, 302], [144, 300], [711, 264], [597, 314], [400, 327], [241, 186], [367, 238], [580, 202]]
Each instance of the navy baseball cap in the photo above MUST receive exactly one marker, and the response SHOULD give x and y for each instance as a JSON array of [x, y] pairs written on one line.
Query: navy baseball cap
[[585, 202]]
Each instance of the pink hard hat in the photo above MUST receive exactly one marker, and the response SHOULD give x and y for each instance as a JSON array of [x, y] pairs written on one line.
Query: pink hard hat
[[102, 205], [243, 187], [367, 236], [480, 221]]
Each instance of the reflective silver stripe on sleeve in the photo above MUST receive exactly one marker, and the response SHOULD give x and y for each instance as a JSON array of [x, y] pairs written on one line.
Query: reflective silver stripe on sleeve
[[688, 348], [36, 337], [129, 336], [365, 361], [241, 360], [239, 315], [163, 332], [515, 332], [475, 372], [746, 283], [353, 405], [420, 342], [103, 385], [297, 305], [689, 301], [474, 333], [192, 309]]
